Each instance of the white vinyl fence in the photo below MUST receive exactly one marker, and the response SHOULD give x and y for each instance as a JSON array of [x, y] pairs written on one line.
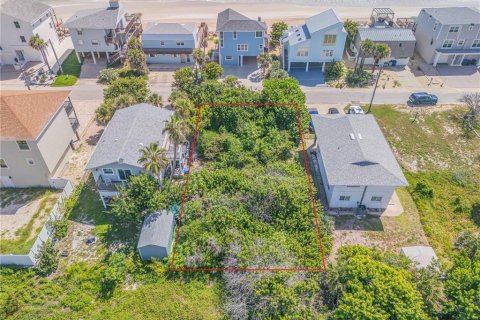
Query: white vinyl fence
[[28, 260]]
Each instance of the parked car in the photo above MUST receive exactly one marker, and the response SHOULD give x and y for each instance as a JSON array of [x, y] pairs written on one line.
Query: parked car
[[333, 111], [312, 111], [355, 110], [419, 98]]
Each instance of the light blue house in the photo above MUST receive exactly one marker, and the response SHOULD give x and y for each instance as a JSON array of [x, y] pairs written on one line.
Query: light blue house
[[241, 39], [320, 40], [170, 42]]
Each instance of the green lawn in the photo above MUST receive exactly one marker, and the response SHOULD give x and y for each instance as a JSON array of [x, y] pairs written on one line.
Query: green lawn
[[434, 150], [71, 72]]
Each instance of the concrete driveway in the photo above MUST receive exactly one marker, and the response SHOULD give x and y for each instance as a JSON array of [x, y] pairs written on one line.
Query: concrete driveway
[[313, 78], [459, 77]]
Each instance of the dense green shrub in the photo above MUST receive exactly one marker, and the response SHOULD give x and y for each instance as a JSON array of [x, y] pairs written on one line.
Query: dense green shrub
[[212, 71], [334, 70], [423, 190], [359, 79], [475, 213], [107, 75], [47, 258]]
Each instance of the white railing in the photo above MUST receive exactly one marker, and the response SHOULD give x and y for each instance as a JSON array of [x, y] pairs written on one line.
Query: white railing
[[28, 260]]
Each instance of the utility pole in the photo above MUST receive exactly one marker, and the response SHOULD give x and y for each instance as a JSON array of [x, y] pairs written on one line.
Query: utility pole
[[55, 54], [375, 88]]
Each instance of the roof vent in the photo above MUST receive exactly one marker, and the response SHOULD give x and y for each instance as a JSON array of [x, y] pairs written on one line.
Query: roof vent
[[116, 139], [352, 136], [141, 144], [360, 136], [120, 160]]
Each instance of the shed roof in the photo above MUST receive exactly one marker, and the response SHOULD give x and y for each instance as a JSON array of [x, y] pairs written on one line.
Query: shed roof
[[128, 130], [26, 10], [386, 34], [157, 229], [355, 152], [455, 15], [231, 20], [24, 114], [170, 28], [98, 18], [422, 255]]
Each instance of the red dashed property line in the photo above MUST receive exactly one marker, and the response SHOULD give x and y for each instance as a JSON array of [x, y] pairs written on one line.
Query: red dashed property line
[[192, 148]]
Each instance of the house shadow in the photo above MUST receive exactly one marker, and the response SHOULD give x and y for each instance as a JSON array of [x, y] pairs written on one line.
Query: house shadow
[[93, 139], [449, 71], [351, 222]]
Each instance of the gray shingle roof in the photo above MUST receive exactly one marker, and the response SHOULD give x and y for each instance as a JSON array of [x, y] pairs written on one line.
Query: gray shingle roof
[[454, 15], [127, 131], [231, 20], [157, 230], [26, 10], [386, 34], [365, 160], [101, 18], [170, 28]]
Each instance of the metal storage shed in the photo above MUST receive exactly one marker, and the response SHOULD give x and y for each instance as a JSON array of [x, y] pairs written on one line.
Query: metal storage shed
[[156, 236]]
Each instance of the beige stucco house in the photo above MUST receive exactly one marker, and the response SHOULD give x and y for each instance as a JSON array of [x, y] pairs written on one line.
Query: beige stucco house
[[36, 133]]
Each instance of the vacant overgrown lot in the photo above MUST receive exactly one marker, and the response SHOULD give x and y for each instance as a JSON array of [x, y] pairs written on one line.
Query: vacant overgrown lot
[[442, 165]]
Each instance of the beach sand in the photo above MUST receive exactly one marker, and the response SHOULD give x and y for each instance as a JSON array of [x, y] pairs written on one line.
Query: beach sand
[[291, 12]]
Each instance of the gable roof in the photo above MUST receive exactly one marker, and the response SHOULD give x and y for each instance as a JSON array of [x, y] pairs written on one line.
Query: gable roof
[[128, 130], [454, 15], [100, 18], [26, 10], [321, 21], [24, 114], [364, 160], [386, 34], [170, 28], [231, 20], [156, 230]]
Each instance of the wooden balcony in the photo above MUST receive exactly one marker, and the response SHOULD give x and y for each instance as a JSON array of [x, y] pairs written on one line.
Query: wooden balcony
[[108, 185]]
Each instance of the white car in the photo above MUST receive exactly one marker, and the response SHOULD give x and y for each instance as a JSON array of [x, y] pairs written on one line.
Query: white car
[[355, 110]]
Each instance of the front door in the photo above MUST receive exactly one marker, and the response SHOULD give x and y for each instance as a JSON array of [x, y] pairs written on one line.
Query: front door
[[182, 58], [19, 54], [6, 182], [457, 61], [124, 174]]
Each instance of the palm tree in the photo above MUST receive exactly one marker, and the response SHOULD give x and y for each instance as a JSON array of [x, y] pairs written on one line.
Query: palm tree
[[155, 99], [367, 47], [39, 44], [123, 101], [176, 130], [182, 106], [154, 159], [199, 57], [381, 51], [203, 36], [264, 61]]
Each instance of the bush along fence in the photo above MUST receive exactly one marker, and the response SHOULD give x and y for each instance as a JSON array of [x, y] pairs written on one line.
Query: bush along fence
[[47, 232]]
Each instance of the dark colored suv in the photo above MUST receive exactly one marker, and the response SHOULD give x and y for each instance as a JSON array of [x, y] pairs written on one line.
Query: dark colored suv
[[419, 98]]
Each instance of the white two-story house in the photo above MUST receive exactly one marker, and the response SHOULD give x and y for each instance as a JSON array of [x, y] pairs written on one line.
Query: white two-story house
[[321, 39], [116, 155], [103, 31], [20, 20]]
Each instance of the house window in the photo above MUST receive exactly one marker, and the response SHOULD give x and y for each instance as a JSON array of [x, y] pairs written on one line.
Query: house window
[[242, 47], [454, 29], [344, 198], [23, 145], [258, 34], [95, 43], [30, 162], [180, 43], [51, 25], [152, 55], [22, 38], [221, 35], [80, 41], [470, 27], [476, 43], [108, 171], [400, 44], [376, 199], [79, 32], [327, 53], [17, 24], [124, 174], [460, 42], [234, 35], [221, 43], [162, 43], [228, 57], [329, 39], [260, 46], [302, 52], [3, 164], [435, 25], [447, 43]]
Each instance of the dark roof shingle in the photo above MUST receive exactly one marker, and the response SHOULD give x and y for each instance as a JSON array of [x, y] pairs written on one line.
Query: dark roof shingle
[[231, 20]]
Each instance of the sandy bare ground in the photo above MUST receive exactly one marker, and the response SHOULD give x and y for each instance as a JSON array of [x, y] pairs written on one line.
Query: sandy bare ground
[[293, 12], [22, 213]]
